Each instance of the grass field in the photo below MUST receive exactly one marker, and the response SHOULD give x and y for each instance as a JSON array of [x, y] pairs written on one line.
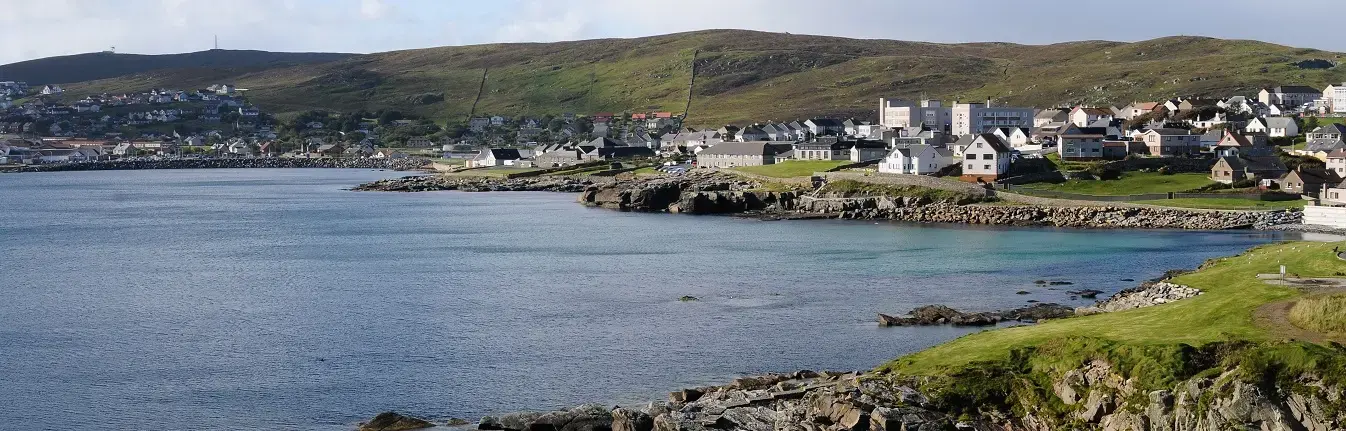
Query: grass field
[[1224, 312], [499, 171], [1131, 183], [1226, 203], [793, 168], [1325, 314], [648, 170]]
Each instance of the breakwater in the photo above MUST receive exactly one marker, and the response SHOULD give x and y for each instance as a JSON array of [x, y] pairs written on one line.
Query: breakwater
[[226, 163]]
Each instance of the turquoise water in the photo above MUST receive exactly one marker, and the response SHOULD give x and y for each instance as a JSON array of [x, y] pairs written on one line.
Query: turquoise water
[[274, 299]]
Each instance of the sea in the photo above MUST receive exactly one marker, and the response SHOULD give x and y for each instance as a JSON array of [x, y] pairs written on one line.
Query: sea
[[263, 299]]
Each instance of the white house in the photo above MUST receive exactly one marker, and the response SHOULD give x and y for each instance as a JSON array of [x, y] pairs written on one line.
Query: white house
[[1016, 137], [986, 158], [1081, 143], [52, 90], [1276, 127], [1336, 161], [495, 157], [916, 160], [1083, 116], [240, 148], [1288, 95], [389, 154]]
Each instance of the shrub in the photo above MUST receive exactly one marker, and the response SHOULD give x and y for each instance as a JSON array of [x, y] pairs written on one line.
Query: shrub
[[1165, 170]]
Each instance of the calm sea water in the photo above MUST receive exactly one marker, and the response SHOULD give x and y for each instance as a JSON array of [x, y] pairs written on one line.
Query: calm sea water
[[274, 299]]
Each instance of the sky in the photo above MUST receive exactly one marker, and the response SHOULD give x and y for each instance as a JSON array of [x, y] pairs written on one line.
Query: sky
[[41, 28]]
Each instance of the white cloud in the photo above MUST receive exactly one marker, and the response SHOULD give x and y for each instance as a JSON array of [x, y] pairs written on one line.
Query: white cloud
[[373, 9]]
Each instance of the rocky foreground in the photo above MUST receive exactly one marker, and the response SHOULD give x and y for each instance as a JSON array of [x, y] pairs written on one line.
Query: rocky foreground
[[406, 164], [1097, 396]]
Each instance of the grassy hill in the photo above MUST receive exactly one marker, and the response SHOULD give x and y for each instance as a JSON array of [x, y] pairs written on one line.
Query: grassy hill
[[104, 65], [747, 75]]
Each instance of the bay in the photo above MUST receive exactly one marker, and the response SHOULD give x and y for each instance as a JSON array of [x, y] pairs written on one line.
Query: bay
[[275, 299]]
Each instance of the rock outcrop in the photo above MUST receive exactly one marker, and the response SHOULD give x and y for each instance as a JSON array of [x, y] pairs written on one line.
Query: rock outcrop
[[392, 421], [1092, 397], [1145, 295], [406, 164], [943, 315]]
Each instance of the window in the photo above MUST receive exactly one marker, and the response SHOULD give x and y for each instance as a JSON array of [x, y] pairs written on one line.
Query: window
[[987, 167], [979, 145]]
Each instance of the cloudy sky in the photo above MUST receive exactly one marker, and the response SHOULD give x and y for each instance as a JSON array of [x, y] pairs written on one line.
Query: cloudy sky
[[41, 28]]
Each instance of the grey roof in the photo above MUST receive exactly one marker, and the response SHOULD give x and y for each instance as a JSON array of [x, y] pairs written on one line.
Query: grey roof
[[1279, 122], [1331, 128], [825, 122], [1168, 131], [965, 140], [1324, 145], [605, 142], [1255, 164], [1052, 114], [1296, 89], [995, 142], [754, 148]]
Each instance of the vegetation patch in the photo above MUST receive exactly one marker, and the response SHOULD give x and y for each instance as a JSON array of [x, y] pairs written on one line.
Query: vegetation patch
[[1325, 314], [793, 168], [1219, 203], [1130, 183], [851, 188]]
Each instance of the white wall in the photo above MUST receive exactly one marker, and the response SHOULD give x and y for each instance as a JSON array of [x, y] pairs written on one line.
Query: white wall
[[1325, 216]]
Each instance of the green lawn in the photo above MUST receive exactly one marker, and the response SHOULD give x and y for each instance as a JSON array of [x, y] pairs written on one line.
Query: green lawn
[[1223, 312], [648, 170], [793, 168], [1131, 183], [1226, 203], [498, 171]]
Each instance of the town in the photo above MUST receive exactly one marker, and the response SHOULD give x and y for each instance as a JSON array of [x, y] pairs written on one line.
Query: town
[[1288, 139]]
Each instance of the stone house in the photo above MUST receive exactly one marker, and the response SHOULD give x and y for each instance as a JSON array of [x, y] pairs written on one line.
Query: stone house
[[732, 154], [1230, 169]]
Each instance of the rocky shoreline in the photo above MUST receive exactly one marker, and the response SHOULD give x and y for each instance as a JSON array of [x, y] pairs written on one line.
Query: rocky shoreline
[[430, 183], [406, 164]]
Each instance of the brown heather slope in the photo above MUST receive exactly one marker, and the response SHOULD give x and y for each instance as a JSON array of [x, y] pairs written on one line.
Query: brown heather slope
[[748, 75]]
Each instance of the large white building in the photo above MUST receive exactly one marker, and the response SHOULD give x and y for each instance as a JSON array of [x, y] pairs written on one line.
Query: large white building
[[1334, 97], [973, 118], [899, 113]]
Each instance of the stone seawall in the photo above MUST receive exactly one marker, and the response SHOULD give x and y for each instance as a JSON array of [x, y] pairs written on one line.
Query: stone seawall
[[221, 163]]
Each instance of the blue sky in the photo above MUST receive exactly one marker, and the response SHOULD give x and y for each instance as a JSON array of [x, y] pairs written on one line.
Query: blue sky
[[40, 28]]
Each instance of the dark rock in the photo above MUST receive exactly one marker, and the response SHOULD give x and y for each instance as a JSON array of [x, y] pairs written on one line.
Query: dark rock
[[457, 422], [1060, 283], [1022, 292], [631, 420], [685, 396], [391, 421]]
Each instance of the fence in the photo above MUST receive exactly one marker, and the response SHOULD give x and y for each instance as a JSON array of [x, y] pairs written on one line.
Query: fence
[[1264, 196]]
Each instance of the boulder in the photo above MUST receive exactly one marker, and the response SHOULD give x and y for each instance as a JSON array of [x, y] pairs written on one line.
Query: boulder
[[631, 420], [392, 421]]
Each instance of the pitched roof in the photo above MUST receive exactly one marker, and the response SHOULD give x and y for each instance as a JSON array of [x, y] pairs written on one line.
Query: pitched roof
[[505, 153], [755, 148], [994, 141], [1324, 145], [1169, 131], [1235, 140], [1331, 128], [1296, 89], [1317, 175], [825, 122], [606, 142], [1279, 122], [1254, 164]]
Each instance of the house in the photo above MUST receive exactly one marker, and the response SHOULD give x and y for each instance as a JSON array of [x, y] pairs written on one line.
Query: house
[[864, 150], [497, 120], [752, 133], [330, 149], [986, 159], [1231, 169], [729, 132], [1289, 95], [731, 154], [899, 113], [1081, 143], [561, 155], [776, 132], [495, 157], [1016, 137], [643, 139], [240, 148], [824, 127], [389, 154], [1211, 138], [821, 148], [125, 149], [916, 160], [1235, 144], [1171, 142], [1275, 127], [1083, 116], [50, 90], [419, 142], [617, 152], [1117, 149], [248, 111], [1332, 131], [1051, 116], [1136, 109], [1308, 181], [1208, 119], [479, 124], [314, 125], [1237, 105]]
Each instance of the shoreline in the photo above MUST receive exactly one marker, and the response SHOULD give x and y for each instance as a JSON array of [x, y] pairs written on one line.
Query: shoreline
[[711, 193], [407, 164]]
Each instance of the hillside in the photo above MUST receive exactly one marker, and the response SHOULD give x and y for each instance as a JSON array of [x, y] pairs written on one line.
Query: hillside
[[103, 65], [746, 75]]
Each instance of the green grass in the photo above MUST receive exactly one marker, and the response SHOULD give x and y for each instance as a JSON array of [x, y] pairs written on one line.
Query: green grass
[[648, 170], [857, 188], [1224, 312], [1226, 203], [1325, 314], [793, 168], [1131, 183]]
